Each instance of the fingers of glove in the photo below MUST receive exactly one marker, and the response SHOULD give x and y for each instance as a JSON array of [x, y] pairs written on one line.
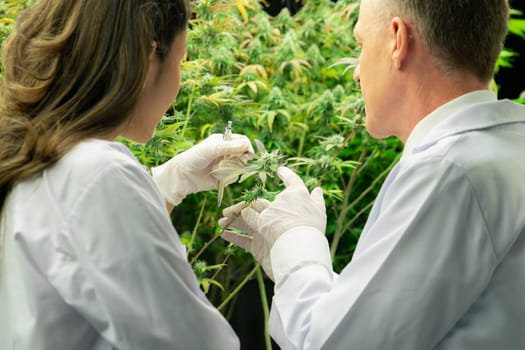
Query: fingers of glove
[[242, 241], [234, 210], [237, 223], [244, 218], [258, 205], [226, 222], [245, 141], [291, 197], [289, 178], [317, 198], [250, 217], [228, 170], [215, 146], [246, 157]]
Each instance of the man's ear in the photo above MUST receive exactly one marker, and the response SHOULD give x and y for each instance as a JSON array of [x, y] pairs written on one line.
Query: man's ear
[[400, 32]]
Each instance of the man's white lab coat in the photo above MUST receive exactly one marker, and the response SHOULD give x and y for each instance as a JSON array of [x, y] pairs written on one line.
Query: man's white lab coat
[[440, 263]]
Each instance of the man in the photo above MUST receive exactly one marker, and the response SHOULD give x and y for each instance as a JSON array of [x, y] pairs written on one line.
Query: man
[[440, 263]]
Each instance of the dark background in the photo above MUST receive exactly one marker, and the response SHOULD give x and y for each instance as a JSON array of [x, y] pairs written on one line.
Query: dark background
[[512, 81]]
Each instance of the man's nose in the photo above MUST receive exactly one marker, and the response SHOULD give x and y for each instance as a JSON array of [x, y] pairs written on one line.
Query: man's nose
[[357, 74]]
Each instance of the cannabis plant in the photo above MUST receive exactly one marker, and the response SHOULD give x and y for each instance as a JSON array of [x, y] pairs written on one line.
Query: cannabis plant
[[286, 83]]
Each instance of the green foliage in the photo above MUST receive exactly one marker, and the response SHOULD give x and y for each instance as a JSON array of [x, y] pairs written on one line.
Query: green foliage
[[285, 81], [278, 80], [9, 11], [516, 25]]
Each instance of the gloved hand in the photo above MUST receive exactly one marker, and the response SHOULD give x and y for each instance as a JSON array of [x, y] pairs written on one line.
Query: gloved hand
[[193, 170], [253, 242], [294, 207]]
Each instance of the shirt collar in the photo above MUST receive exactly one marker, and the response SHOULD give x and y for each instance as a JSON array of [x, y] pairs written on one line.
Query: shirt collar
[[425, 126]]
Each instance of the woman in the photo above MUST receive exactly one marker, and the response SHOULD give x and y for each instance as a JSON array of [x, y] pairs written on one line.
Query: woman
[[90, 259]]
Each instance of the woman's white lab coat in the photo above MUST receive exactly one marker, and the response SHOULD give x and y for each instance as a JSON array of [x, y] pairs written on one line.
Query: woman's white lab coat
[[92, 262]]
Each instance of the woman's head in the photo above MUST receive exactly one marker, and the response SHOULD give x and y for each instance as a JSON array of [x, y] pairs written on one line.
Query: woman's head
[[77, 69], [84, 62]]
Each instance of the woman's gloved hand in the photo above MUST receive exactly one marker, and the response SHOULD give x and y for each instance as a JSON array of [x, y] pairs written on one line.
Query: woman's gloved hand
[[193, 170]]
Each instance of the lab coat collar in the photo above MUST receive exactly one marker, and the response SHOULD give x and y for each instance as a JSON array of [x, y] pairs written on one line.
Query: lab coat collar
[[474, 111]]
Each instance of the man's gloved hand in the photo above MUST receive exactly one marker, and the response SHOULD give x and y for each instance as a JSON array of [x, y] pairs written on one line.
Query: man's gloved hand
[[192, 170], [295, 207], [253, 242]]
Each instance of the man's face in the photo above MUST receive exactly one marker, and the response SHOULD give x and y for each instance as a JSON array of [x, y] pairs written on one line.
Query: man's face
[[374, 71]]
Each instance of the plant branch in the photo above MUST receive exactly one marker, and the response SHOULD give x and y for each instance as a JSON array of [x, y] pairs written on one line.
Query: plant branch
[[238, 288], [264, 304], [338, 234], [197, 223], [205, 246], [341, 214]]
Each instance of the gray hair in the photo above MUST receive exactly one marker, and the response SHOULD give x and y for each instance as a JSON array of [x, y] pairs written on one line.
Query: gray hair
[[464, 35]]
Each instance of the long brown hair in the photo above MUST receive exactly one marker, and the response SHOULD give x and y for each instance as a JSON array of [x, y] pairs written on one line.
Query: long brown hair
[[74, 70]]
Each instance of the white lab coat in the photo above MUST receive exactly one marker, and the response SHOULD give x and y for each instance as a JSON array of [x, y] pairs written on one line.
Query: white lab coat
[[92, 262], [440, 263]]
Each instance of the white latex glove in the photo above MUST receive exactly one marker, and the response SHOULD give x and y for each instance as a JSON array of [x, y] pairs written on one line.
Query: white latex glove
[[193, 170], [253, 242], [294, 207]]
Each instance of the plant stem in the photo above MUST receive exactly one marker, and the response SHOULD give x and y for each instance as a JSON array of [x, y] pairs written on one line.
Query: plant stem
[[301, 144], [188, 111], [341, 214], [226, 224], [238, 288], [339, 233], [357, 215], [224, 261], [264, 304], [197, 223], [205, 246]]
